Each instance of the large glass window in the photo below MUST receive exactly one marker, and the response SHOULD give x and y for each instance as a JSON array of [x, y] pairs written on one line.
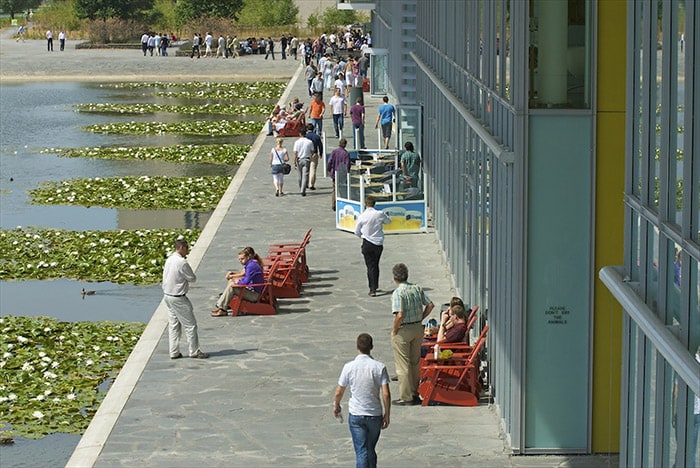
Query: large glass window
[[677, 117], [559, 62]]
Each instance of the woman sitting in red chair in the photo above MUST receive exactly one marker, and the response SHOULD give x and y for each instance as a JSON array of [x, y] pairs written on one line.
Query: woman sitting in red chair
[[251, 274]]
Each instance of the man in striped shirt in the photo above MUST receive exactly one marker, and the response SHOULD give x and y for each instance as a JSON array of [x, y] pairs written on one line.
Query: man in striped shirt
[[410, 305]]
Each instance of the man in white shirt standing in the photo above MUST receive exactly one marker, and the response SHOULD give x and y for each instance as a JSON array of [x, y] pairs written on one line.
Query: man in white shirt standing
[[370, 227], [303, 148], [366, 377], [177, 275]]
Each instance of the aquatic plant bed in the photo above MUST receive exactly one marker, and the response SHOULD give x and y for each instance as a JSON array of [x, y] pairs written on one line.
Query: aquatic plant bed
[[193, 127], [52, 373], [136, 109], [145, 192], [248, 90], [120, 256], [214, 154]]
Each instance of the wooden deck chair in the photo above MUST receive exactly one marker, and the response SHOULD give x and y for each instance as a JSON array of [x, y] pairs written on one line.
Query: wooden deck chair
[[266, 304], [292, 253], [293, 127], [457, 384], [287, 276]]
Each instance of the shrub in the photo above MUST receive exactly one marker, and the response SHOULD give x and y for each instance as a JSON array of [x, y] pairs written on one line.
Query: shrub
[[115, 30]]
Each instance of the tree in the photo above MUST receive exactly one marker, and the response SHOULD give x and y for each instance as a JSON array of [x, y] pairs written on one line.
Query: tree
[[269, 13], [333, 18], [104, 9], [187, 10], [13, 7]]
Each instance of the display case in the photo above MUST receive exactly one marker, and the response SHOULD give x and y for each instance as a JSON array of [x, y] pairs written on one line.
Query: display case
[[378, 173]]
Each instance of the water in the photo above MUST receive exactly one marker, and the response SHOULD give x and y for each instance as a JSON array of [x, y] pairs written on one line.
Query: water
[[35, 116]]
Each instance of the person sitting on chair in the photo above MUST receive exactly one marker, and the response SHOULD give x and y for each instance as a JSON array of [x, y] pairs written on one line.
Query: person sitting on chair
[[239, 283], [452, 332], [279, 122], [453, 326]]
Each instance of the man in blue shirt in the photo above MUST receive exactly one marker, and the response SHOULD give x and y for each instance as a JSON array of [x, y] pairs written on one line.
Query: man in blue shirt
[[386, 115]]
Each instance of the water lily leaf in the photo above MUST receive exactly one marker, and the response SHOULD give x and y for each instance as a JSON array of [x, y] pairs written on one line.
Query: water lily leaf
[[40, 254], [184, 193], [191, 127], [60, 388], [216, 154]]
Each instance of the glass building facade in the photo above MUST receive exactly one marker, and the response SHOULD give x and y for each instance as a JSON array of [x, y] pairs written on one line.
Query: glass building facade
[[563, 178]]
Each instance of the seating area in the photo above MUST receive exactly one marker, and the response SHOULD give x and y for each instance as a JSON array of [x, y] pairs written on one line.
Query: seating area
[[286, 270], [456, 380]]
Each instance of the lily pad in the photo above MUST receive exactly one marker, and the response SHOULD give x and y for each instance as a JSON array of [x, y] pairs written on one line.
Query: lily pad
[[193, 127], [53, 374], [215, 154], [135, 109], [120, 256], [184, 193]]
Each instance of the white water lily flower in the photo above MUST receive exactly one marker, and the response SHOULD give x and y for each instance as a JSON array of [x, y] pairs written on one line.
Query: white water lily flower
[[89, 362], [49, 375], [6, 354], [21, 339], [27, 367], [11, 396], [96, 348], [38, 414], [40, 397]]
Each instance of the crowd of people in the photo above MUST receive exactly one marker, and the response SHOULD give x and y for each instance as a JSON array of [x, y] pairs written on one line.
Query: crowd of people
[[156, 42], [309, 50]]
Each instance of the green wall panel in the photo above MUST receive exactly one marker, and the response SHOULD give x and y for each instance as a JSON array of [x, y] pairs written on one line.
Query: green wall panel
[[559, 213]]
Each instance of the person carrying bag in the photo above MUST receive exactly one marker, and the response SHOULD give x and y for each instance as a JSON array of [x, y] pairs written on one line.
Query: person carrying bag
[[279, 166]]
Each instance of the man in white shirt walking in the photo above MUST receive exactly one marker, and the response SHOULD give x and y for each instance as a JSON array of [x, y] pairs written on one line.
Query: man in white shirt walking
[[177, 275], [340, 109], [370, 227], [366, 377]]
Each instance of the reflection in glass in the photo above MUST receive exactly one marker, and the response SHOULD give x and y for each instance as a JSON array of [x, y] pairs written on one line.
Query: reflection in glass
[[559, 54]]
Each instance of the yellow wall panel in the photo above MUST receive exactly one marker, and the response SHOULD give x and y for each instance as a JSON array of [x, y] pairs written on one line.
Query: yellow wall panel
[[609, 222]]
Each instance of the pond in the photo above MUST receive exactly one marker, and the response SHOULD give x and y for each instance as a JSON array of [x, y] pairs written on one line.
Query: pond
[[37, 116]]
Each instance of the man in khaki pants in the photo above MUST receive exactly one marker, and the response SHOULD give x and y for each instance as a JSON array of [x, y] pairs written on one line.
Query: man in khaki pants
[[410, 306], [315, 154]]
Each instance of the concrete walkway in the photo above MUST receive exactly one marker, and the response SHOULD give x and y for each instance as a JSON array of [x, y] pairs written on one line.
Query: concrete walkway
[[264, 396]]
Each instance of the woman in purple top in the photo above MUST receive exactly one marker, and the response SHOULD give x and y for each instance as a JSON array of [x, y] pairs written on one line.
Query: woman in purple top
[[238, 283]]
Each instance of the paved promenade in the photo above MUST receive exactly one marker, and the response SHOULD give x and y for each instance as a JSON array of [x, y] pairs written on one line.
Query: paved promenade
[[264, 396]]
